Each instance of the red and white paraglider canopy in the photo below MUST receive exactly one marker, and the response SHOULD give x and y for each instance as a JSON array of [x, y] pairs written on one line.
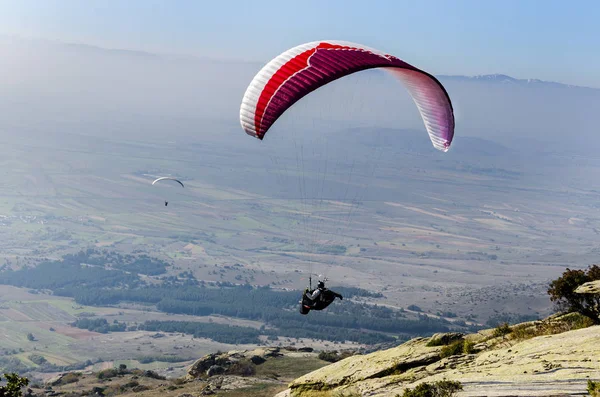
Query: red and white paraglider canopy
[[303, 69]]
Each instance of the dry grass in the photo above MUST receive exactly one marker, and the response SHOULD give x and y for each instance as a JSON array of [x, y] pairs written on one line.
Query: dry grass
[[349, 392], [258, 390], [289, 368], [550, 326]]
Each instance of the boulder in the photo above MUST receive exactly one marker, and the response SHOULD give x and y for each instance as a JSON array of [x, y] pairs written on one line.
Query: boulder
[[443, 339], [257, 360], [592, 287], [306, 349], [215, 370], [55, 380], [207, 365], [201, 365]]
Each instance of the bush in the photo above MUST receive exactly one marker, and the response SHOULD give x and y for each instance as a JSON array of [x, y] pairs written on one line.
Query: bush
[[526, 331], [443, 340], [502, 330], [562, 293], [329, 356], [453, 349], [442, 388], [153, 375], [593, 388], [107, 373], [130, 384], [140, 388], [167, 358], [435, 342], [37, 359], [71, 377], [14, 384], [98, 391], [346, 354], [469, 347], [242, 368]]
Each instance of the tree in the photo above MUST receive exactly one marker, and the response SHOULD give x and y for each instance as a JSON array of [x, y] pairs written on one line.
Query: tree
[[14, 384], [562, 293], [30, 337]]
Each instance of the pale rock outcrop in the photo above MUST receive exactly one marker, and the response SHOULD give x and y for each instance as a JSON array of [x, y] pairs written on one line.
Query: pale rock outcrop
[[591, 287], [557, 364], [218, 363]]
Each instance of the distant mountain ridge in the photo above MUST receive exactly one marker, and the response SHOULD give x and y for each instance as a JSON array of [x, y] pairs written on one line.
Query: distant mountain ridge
[[492, 78], [505, 79]]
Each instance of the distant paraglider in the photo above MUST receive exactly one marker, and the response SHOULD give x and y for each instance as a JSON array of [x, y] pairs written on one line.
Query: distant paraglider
[[307, 67], [168, 178]]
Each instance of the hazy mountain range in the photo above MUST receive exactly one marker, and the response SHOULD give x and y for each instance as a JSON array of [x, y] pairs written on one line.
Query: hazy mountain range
[[136, 94]]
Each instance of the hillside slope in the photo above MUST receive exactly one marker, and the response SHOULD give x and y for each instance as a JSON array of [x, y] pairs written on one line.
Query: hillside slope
[[517, 363]]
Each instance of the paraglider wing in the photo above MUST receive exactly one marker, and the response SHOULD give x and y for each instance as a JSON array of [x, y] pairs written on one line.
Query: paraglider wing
[[302, 69], [168, 178]]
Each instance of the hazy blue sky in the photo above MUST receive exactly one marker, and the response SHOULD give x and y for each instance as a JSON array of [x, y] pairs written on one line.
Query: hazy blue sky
[[547, 39]]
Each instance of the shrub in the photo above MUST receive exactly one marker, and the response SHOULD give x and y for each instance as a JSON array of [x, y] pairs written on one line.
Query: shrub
[[469, 347], [107, 373], [593, 388], [153, 375], [435, 342], [14, 384], [37, 359], [443, 339], [442, 388], [329, 356], [131, 384], [71, 377], [242, 368], [502, 330], [524, 331], [453, 349], [346, 353], [98, 391]]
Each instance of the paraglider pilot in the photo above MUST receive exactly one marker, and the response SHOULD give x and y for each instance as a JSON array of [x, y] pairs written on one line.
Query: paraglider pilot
[[166, 203], [318, 299]]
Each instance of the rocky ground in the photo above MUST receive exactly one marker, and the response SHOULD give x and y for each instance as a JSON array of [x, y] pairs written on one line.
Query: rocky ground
[[509, 362], [258, 372], [553, 357]]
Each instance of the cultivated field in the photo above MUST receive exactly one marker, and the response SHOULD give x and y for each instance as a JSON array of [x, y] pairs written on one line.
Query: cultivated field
[[472, 235]]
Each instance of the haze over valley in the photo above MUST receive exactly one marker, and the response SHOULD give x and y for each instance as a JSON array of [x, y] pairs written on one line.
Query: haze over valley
[[346, 185]]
